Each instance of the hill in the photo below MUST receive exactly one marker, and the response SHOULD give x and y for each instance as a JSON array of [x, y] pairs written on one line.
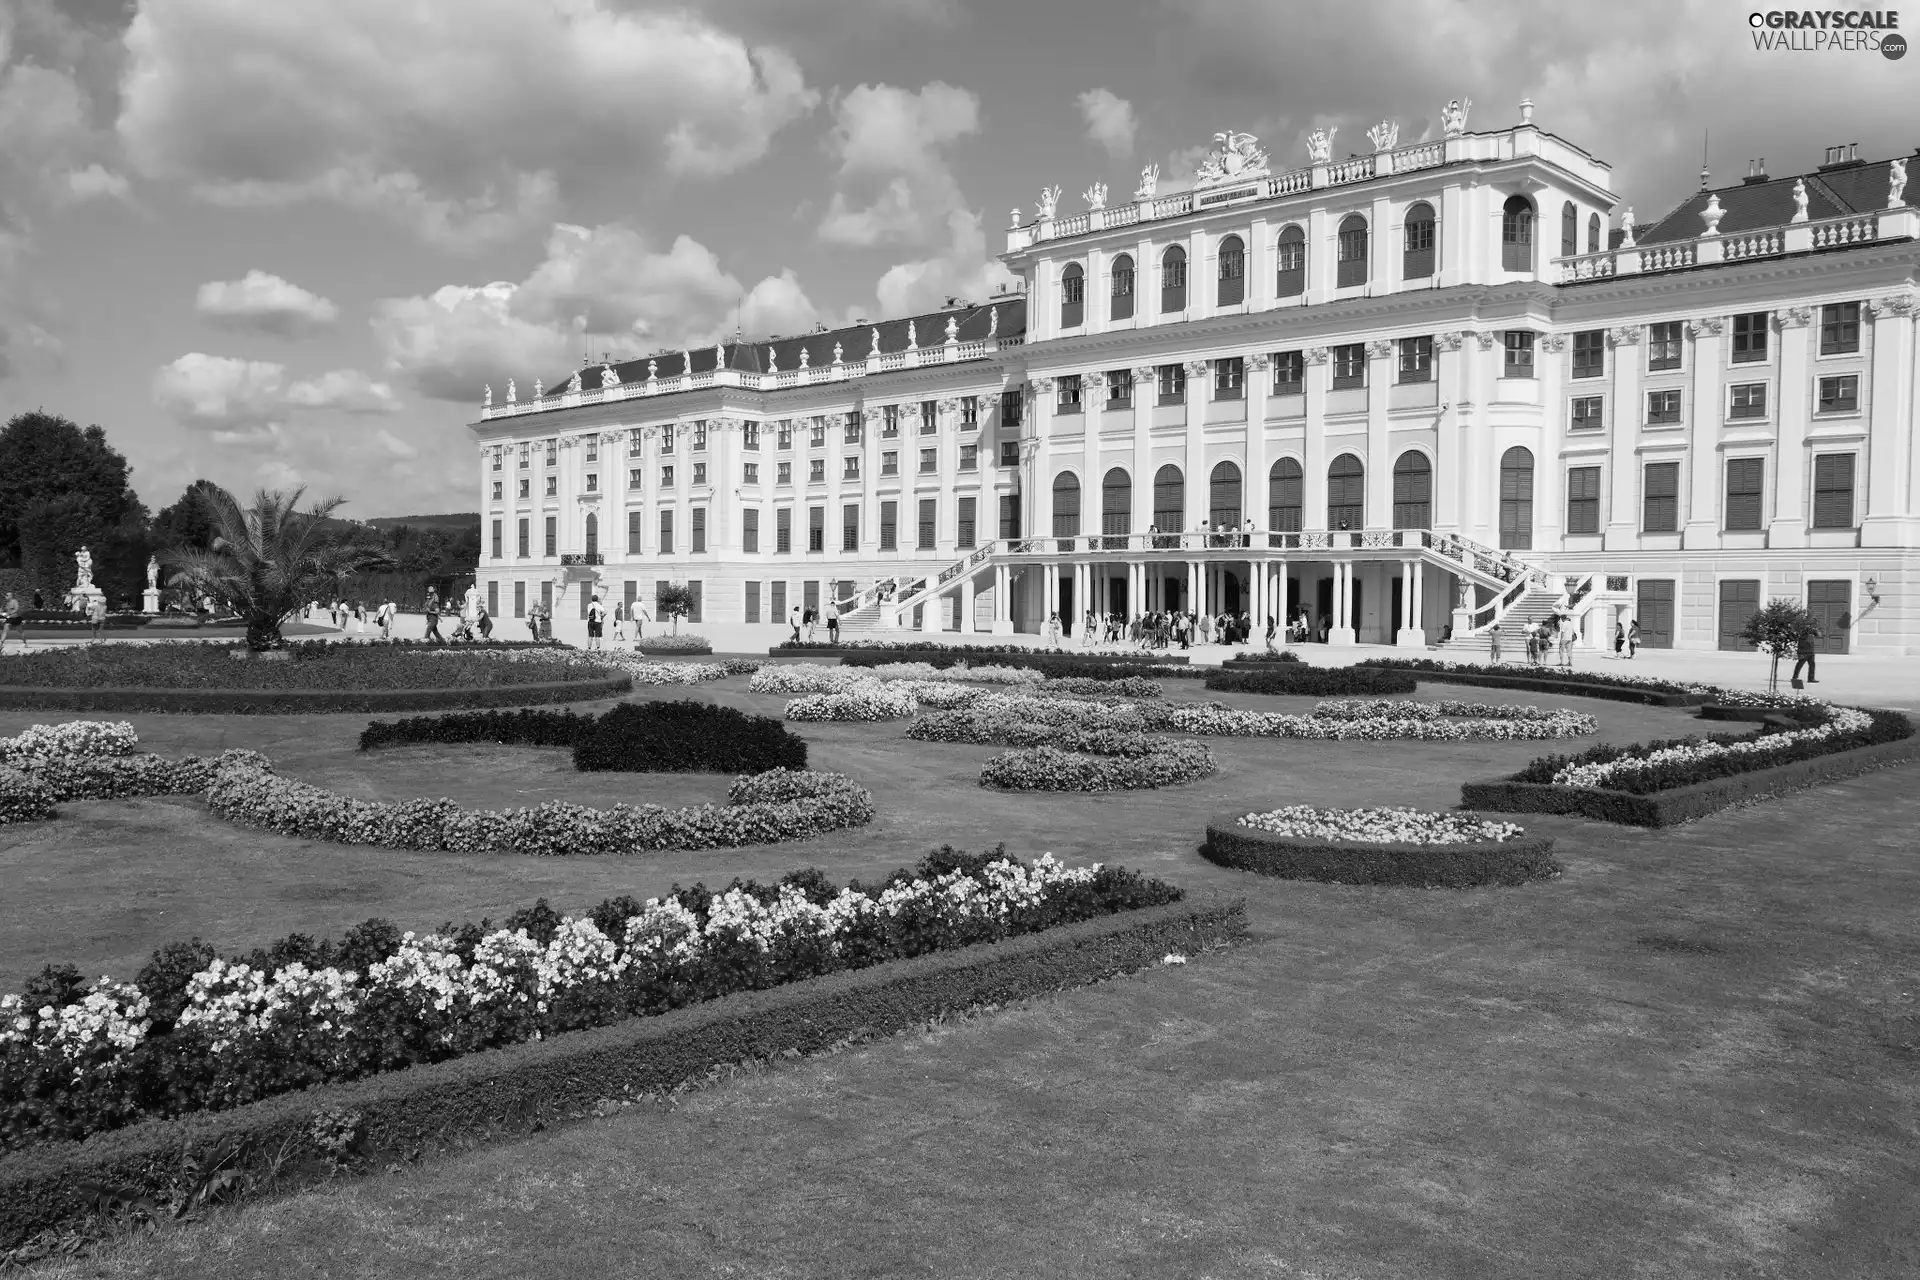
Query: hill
[[459, 520]]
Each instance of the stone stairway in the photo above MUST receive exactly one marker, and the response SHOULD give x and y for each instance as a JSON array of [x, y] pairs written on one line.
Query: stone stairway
[[1535, 603]]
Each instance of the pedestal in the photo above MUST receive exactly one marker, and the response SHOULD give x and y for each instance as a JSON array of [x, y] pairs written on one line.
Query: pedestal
[[1462, 621], [150, 600], [1341, 636], [1003, 628], [80, 599], [1411, 638]]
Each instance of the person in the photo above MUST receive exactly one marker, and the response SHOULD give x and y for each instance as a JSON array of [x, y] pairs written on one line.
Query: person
[[1803, 655], [1052, 636], [486, 623], [596, 622], [9, 610], [1446, 632], [1272, 630], [1326, 628], [1568, 633], [432, 610], [833, 621], [1633, 638], [1619, 638], [808, 618], [619, 622], [1493, 645], [793, 620], [638, 615], [533, 621], [96, 614], [1247, 541], [359, 617], [387, 611]]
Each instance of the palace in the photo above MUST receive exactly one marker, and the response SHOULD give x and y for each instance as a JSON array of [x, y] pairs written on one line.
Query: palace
[[1418, 393]]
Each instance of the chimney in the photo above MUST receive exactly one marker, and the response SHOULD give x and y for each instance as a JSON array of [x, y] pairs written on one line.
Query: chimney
[[1842, 157], [1756, 172]]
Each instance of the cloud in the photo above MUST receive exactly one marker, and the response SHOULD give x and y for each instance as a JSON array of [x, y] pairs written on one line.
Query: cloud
[[265, 303], [608, 282], [348, 390], [228, 395], [468, 122], [963, 268], [96, 182], [895, 184], [1109, 120]]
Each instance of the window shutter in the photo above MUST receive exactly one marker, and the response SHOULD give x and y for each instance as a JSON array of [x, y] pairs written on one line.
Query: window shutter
[[1745, 477]]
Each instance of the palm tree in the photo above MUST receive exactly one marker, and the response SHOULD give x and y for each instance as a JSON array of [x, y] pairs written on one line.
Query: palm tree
[[267, 559]]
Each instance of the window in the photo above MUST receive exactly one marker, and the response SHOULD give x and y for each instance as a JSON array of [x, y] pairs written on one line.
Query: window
[[634, 479], [1119, 388], [889, 521], [1839, 328], [553, 486], [699, 473], [666, 533], [1663, 345], [1233, 272], [525, 462], [1351, 268], [889, 421], [850, 430], [499, 541], [1745, 477], [1833, 491], [666, 477], [666, 439], [1519, 353], [1289, 373], [553, 453], [850, 468], [817, 471], [890, 463], [1066, 505], [1663, 407], [929, 417], [969, 457], [1012, 411], [1122, 300], [699, 530], [1516, 234], [783, 437], [1173, 280], [963, 531], [1230, 378], [1569, 230], [1660, 498], [1841, 394], [523, 542], [1290, 280], [496, 459], [1169, 499], [1516, 499], [526, 490], [1750, 337], [1587, 413], [633, 532], [1416, 258], [1412, 491], [1223, 496], [1583, 501], [519, 599], [817, 434], [700, 436], [1349, 366], [498, 490], [1593, 233], [816, 528], [1009, 453], [1748, 400], [750, 437], [750, 473], [1009, 515], [493, 599], [1286, 483], [1739, 601], [850, 526], [1416, 359], [1173, 383], [784, 475], [969, 413], [1346, 493], [1069, 393], [1116, 508], [783, 531], [929, 513], [750, 530], [1073, 297], [553, 536], [1590, 353], [929, 461]]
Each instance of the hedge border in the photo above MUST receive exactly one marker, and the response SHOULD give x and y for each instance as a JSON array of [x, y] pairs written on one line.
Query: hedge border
[[1684, 804], [506, 1092], [1455, 866], [307, 701], [1544, 684], [980, 655]]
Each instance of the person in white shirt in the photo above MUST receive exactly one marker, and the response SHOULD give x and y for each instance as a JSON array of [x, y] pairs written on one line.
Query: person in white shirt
[[833, 620], [793, 620], [385, 616]]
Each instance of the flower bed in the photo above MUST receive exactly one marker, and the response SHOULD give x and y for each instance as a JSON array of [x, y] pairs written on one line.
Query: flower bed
[[23, 798], [1312, 682], [442, 1106], [1531, 679], [90, 760], [1382, 709], [635, 666], [1099, 760], [508, 728], [1052, 663], [673, 644], [1259, 658], [1379, 846], [868, 701], [933, 650], [195, 1031]]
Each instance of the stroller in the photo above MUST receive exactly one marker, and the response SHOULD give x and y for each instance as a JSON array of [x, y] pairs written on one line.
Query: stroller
[[462, 632]]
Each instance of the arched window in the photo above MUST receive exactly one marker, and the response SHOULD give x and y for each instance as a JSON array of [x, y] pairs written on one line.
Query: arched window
[[1352, 268], [1169, 501], [1346, 493], [1122, 308], [1516, 234], [1516, 499], [1569, 230], [1066, 505], [1223, 496], [1073, 297], [1412, 491], [1593, 233], [1291, 280], [1116, 508], [593, 534], [1233, 272], [1416, 262], [1285, 485], [1173, 280]]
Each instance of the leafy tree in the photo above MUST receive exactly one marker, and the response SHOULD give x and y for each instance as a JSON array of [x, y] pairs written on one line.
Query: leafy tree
[[267, 559], [44, 456], [186, 523], [1778, 628], [675, 600]]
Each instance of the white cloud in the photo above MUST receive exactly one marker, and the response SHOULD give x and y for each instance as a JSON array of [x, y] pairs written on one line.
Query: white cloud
[[895, 183], [1109, 120], [395, 445], [963, 268], [228, 395], [96, 182], [264, 302], [348, 390], [466, 121]]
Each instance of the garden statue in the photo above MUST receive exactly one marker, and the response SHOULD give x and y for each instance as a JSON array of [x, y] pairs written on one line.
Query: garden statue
[[84, 559], [153, 571]]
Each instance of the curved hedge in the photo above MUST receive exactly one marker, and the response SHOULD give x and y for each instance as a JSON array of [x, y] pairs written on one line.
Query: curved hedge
[[1312, 682], [276, 702], [1098, 760], [1581, 684], [1432, 866], [686, 736]]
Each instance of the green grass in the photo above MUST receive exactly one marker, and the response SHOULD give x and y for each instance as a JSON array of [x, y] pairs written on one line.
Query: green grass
[[1692, 1055]]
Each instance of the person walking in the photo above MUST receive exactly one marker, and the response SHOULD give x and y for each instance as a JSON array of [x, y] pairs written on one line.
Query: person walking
[[9, 610], [619, 622], [833, 621], [793, 620], [596, 623], [809, 618], [1568, 633], [486, 623], [432, 611], [1633, 638], [1803, 656], [1053, 630], [96, 614], [387, 611], [1619, 639]]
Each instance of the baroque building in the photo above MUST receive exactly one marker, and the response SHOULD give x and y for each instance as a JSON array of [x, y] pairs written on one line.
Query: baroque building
[[1418, 393]]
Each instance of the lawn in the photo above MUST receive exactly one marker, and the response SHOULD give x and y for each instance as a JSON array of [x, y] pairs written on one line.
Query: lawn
[[1692, 1055]]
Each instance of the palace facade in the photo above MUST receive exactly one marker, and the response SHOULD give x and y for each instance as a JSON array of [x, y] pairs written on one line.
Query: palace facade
[[1419, 393]]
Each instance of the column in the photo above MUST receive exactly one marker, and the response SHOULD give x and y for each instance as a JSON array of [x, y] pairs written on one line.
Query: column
[[1704, 466], [1788, 528], [1623, 422], [1409, 635], [1193, 603], [966, 605], [1889, 519], [1342, 632], [1002, 600]]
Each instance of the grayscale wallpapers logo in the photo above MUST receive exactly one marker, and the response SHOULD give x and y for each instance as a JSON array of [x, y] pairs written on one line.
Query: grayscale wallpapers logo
[[1829, 31]]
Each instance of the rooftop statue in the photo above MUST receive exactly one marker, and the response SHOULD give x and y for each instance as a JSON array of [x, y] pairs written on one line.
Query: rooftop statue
[[608, 378], [1049, 201], [1096, 196], [1453, 116], [1234, 156], [1320, 144], [1149, 182], [1384, 136]]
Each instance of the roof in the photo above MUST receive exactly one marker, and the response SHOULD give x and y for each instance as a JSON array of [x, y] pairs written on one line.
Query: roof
[[1831, 193], [972, 324]]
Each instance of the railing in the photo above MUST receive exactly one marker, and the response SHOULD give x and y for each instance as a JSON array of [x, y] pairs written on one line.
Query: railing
[[1077, 225], [1768, 242], [1290, 184], [1755, 244], [1587, 266], [1123, 215], [1421, 155], [1358, 169], [1495, 610], [582, 557], [1833, 232], [1669, 257], [1173, 206], [1493, 566]]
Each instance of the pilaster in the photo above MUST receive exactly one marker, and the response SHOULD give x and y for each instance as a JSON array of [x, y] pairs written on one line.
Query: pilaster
[[1313, 451], [1791, 409], [1254, 501], [1703, 433], [1379, 514], [1890, 520], [1145, 393], [1451, 370], [1623, 428], [1198, 371]]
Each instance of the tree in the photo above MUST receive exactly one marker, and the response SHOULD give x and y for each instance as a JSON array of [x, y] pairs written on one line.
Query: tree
[[1778, 628], [267, 559], [187, 523], [44, 456], [674, 600]]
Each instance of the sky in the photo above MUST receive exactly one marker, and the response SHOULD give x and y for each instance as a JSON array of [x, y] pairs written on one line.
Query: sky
[[287, 243]]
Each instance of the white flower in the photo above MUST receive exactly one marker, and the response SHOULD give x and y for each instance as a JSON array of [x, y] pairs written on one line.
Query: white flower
[[1380, 826], [1173, 957]]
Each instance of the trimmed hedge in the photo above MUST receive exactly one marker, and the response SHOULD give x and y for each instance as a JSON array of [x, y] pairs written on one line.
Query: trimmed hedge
[[509, 728], [1267, 658], [895, 651], [447, 1105], [1683, 804], [277, 702], [1053, 666], [686, 737], [1586, 684], [1312, 682], [672, 644], [1431, 866]]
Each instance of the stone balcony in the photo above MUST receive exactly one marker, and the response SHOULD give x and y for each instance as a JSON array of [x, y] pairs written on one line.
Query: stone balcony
[[1901, 223]]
